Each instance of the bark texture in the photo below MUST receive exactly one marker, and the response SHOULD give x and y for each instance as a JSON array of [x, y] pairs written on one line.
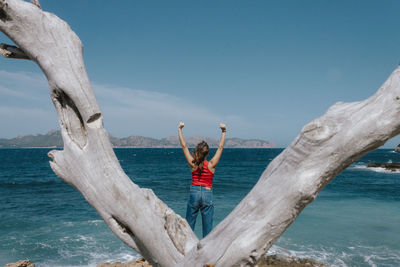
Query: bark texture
[[292, 180]]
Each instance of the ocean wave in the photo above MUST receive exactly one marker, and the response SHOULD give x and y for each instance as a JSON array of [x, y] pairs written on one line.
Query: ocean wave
[[352, 256], [31, 183], [329, 258], [373, 169], [379, 256], [79, 224], [96, 222]]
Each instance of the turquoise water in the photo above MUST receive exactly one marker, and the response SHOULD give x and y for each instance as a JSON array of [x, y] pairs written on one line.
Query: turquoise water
[[353, 222]]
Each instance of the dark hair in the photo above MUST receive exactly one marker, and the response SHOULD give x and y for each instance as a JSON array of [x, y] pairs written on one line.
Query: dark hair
[[200, 154]]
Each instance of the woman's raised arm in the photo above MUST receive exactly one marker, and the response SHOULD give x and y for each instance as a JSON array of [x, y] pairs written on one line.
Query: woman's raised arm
[[185, 149], [214, 161]]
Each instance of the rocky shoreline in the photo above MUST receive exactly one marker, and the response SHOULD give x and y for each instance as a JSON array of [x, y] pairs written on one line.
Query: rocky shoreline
[[266, 261], [393, 166], [21, 263]]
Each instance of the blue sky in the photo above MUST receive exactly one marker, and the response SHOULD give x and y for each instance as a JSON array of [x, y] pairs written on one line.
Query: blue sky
[[265, 68]]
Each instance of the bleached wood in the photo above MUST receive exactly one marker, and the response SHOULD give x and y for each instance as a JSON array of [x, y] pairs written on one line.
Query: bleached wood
[[88, 161], [323, 149]]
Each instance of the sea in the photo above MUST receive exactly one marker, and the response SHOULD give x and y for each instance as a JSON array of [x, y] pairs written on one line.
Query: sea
[[354, 221]]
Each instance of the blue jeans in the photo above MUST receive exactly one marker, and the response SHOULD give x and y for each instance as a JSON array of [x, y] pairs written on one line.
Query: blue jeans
[[200, 199]]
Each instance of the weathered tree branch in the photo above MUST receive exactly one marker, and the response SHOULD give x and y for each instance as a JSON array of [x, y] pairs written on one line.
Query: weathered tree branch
[[11, 51], [323, 149], [88, 161]]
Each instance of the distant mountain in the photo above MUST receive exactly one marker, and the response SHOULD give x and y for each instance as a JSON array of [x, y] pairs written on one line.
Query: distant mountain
[[53, 139]]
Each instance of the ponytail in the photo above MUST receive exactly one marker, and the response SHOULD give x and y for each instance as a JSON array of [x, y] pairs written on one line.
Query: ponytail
[[200, 153]]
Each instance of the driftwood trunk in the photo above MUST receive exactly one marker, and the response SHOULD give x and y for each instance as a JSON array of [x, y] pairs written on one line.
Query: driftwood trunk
[[323, 149]]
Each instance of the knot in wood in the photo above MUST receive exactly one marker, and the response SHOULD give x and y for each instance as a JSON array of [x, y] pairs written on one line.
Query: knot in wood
[[318, 131]]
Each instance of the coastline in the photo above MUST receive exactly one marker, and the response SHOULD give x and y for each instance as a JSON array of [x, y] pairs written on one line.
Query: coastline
[[39, 224], [141, 147], [265, 261], [54, 139]]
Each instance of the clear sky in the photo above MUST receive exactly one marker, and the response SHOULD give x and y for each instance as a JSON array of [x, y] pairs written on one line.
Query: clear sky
[[265, 68]]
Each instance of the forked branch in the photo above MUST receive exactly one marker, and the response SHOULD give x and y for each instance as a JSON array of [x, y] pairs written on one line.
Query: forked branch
[[323, 149]]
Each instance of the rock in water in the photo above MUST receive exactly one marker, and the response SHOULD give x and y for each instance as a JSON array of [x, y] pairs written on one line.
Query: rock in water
[[394, 166], [137, 263], [22, 263], [287, 261], [397, 148]]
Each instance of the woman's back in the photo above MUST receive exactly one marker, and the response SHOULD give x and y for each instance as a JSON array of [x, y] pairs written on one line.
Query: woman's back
[[203, 176]]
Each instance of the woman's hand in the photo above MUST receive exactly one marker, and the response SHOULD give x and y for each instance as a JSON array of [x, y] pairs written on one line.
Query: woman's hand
[[214, 161], [185, 149], [223, 127]]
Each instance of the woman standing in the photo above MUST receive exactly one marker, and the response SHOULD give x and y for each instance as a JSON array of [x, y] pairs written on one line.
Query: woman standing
[[201, 196]]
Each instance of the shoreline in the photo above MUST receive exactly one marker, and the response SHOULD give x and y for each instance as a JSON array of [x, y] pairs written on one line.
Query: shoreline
[[123, 147], [265, 261]]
